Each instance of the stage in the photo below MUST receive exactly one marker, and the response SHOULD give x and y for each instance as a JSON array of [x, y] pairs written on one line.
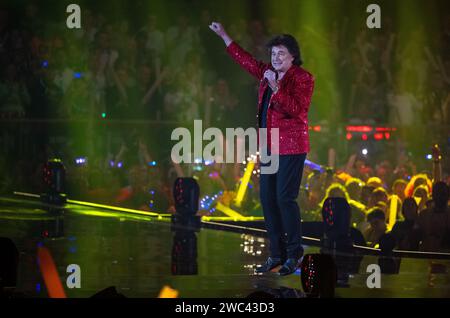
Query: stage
[[140, 254]]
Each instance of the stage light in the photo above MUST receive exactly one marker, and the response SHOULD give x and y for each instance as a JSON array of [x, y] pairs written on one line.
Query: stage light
[[186, 196], [54, 174], [80, 161], [214, 175], [318, 275], [378, 136], [336, 216], [364, 137], [364, 152], [184, 253], [359, 128]]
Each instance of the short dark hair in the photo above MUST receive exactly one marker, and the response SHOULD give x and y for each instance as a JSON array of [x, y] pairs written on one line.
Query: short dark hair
[[376, 214], [408, 204], [290, 43]]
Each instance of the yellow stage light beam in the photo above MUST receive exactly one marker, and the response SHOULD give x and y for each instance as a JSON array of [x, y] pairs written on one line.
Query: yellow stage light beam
[[244, 183], [115, 208], [230, 212], [228, 218], [103, 206], [392, 212]]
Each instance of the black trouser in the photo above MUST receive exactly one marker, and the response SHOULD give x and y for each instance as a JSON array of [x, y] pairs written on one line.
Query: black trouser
[[278, 193]]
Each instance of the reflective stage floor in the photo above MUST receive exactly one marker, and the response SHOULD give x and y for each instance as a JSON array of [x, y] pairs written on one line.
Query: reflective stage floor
[[140, 254]]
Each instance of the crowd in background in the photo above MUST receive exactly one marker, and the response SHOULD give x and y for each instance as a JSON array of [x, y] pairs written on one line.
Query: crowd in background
[[177, 71], [411, 205], [112, 91]]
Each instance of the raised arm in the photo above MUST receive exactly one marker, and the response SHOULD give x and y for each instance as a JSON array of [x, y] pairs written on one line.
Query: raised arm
[[154, 87], [437, 169], [220, 31], [239, 55], [117, 81]]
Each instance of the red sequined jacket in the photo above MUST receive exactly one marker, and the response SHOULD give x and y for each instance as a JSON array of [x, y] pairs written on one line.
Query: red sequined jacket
[[288, 107]]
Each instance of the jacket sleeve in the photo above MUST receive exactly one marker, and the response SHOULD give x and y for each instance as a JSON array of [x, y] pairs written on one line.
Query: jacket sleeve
[[247, 61], [296, 97]]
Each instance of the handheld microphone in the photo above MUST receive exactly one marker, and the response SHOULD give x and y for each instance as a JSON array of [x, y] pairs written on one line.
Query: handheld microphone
[[264, 79]]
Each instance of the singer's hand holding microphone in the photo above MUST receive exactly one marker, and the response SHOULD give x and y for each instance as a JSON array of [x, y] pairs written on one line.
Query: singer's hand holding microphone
[[271, 77]]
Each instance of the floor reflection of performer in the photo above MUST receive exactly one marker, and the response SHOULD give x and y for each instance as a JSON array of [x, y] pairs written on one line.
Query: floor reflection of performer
[[284, 97], [184, 224], [184, 253]]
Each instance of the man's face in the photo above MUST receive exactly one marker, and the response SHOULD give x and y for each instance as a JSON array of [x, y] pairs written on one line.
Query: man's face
[[281, 58]]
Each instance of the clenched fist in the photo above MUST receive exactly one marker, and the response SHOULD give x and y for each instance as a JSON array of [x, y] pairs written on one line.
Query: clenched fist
[[220, 31], [217, 28]]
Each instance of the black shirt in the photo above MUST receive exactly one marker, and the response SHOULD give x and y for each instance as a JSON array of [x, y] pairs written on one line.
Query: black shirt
[[265, 107]]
